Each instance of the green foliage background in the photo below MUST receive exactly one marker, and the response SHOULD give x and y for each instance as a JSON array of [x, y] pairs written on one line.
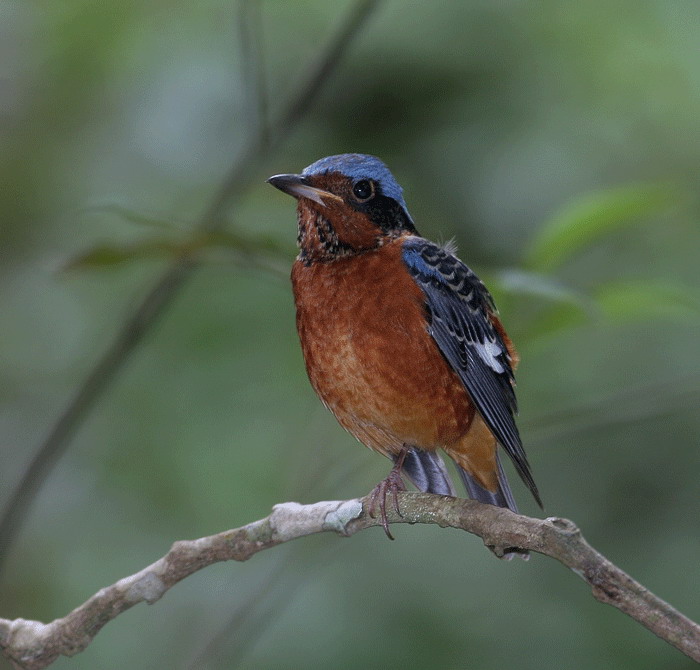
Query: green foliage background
[[558, 142]]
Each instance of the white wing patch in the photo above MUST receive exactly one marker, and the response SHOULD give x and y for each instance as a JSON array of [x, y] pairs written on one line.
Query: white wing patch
[[489, 352]]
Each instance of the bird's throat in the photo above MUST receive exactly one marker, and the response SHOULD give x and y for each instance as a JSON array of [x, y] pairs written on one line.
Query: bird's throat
[[333, 233]]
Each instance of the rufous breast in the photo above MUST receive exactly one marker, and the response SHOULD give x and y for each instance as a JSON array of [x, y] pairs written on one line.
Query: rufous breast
[[369, 356]]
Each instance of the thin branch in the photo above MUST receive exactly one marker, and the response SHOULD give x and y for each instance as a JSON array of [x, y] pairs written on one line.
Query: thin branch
[[32, 645], [253, 68], [165, 289]]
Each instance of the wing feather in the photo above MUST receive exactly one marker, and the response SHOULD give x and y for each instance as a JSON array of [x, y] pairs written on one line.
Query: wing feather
[[461, 316]]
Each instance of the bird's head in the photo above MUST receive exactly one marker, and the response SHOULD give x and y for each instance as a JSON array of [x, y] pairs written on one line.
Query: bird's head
[[347, 204]]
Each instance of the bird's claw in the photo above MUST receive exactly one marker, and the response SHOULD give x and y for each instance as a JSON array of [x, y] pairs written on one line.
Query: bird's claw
[[393, 483]]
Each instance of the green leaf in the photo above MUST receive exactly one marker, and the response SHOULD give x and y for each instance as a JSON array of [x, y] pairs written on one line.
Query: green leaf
[[533, 284], [248, 245], [635, 299], [550, 305], [106, 256], [556, 319], [591, 217], [131, 216]]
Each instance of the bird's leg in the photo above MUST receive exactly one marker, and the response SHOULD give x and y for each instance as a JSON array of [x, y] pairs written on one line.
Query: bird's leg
[[393, 483]]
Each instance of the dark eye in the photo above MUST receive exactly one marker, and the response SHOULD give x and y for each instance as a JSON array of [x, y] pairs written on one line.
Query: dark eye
[[363, 190]]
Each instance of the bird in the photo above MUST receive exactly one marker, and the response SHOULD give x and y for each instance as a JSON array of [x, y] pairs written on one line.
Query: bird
[[402, 341]]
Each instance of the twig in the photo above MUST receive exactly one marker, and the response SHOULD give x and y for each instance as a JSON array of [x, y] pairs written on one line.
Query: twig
[[32, 645], [161, 295], [253, 70]]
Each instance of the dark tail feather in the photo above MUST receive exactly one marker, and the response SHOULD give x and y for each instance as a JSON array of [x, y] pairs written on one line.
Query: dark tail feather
[[427, 472], [501, 498]]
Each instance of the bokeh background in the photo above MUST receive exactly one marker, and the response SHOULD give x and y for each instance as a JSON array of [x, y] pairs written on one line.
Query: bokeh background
[[557, 142]]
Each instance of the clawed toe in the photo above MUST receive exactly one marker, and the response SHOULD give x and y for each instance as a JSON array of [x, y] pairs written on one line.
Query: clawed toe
[[392, 484]]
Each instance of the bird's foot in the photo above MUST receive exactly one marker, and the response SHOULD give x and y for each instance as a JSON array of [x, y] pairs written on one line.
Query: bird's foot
[[392, 484]]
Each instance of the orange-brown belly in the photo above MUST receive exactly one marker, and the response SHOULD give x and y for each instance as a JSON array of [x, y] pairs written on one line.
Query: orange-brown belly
[[370, 358]]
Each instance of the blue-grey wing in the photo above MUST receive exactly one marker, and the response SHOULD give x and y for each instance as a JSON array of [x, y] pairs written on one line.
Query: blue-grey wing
[[460, 314]]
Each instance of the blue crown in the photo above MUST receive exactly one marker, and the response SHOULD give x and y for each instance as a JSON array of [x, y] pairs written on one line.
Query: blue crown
[[360, 166]]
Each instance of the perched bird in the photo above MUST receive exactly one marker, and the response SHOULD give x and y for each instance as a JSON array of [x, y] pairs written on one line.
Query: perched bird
[[400, 338]]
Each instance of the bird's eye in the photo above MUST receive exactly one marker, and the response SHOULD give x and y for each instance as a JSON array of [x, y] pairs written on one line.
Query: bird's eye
[[363, 190]]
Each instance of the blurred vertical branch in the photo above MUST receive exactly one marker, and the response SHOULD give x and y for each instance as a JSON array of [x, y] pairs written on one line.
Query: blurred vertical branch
[[253, 65], [264, 140]]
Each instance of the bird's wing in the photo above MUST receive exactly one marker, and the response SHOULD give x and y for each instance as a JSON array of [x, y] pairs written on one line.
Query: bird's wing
[[461, 319]]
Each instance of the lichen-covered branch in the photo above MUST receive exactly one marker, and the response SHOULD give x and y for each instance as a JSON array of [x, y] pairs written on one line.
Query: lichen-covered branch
[[32, 645]]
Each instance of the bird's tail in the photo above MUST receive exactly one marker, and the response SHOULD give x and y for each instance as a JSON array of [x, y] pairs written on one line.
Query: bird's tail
[[427, 471], [502, 497]]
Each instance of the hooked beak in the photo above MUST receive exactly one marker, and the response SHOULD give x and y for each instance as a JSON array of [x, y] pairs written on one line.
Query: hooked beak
[[297, 186]]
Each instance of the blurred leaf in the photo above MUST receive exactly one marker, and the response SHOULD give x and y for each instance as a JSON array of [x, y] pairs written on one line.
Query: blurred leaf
[[559, 317], [250, 245], [533, 284], [106, 256], [591, 217], [219, 238], [551, 306], [131, 216], [634, 299]]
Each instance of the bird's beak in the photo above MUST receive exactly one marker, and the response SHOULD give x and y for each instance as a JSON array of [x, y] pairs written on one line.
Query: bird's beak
[[297, 186]]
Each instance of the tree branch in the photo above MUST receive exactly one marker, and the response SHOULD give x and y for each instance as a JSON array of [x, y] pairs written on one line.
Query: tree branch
[[32, 645]]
